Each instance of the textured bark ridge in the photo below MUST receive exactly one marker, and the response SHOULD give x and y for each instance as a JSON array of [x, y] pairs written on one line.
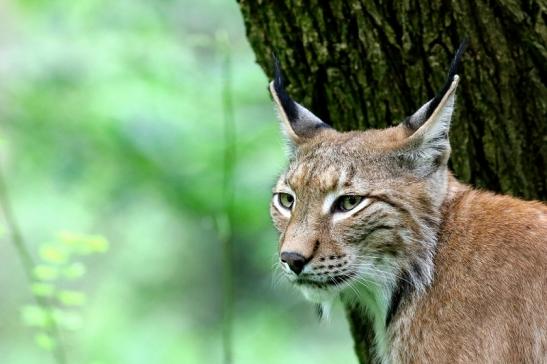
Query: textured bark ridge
[[363, 64]]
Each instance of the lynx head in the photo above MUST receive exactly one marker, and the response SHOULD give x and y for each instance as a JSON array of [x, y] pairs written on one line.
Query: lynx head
[[361, 208]]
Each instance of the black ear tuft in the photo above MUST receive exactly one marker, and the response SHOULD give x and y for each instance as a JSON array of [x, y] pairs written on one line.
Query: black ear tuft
[[449, 78], [298, 123], [414, 121], [288, 104]]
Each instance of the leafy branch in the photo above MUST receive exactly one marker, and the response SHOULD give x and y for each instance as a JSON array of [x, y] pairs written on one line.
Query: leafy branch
[[28, 266], [54, 308]]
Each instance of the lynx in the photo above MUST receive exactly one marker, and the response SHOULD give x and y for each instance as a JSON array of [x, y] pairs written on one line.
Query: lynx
[[446, 273]]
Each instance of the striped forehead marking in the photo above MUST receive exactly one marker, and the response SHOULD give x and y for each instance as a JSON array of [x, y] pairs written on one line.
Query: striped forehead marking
[[320, 176], [342, 183]]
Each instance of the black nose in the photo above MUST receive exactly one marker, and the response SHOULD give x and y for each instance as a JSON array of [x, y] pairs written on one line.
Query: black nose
[[295, 261]]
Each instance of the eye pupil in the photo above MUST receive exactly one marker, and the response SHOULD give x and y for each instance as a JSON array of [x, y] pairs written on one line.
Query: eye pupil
[[286, 200], [348, 202]]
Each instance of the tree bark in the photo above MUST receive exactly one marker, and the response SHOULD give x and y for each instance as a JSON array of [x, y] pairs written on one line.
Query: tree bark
[[368, 64]]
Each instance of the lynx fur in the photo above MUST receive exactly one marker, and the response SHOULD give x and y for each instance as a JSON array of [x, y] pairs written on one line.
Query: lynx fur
[[446, 273]]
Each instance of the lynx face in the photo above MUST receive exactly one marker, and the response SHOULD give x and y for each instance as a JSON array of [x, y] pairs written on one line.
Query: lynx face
[[360, 209], [349, 213]]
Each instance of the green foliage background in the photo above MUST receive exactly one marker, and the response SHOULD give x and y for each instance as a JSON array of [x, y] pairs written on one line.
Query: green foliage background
[[111, 123]]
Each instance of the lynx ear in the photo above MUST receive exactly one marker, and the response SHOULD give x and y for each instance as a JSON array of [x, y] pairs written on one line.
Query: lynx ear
[[298, 123], [428, 146]]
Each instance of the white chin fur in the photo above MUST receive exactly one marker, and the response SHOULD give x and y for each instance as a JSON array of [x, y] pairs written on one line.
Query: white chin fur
[[323, 297], [317, 295]]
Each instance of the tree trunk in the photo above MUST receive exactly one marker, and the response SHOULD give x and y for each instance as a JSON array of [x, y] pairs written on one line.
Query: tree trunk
[[363, 64]]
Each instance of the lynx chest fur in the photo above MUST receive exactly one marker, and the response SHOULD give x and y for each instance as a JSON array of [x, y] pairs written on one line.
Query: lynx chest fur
[[443, 273]]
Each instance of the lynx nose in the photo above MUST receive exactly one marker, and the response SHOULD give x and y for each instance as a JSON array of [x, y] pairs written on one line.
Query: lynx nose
[[295, 261]]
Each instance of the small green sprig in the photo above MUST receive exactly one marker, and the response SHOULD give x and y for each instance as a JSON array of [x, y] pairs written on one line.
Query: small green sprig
[[59, 268]]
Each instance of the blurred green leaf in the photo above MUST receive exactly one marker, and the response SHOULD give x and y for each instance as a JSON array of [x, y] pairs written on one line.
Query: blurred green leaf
[[97, 244], [71, 298], [74, 270], [83, 244], [53, 253], [69, 320], [35, 316], [43, 289], [44, 341], [46, 272]]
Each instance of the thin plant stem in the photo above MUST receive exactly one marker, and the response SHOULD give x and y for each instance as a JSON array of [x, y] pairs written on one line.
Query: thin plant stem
[[228, 199], [28, 266]]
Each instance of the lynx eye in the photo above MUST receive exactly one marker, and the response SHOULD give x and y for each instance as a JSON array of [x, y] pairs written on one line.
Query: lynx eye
[[285, 200], [347, 202]]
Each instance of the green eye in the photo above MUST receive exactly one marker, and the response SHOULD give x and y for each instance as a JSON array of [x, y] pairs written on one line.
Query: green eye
[[285, 200], [348, 202]]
